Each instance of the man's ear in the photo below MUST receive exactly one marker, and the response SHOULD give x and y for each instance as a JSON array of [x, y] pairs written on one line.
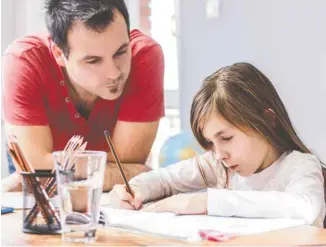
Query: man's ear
[[58, 55], [270, 116]]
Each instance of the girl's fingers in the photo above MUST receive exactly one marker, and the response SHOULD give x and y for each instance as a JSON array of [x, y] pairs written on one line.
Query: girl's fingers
[[125, 205], [116, 202], [137, 203], [125, 196], [122, 193], [119, 188], [138, 197]]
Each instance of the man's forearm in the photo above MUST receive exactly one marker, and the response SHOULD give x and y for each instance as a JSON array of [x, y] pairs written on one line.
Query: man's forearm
[[113, 176]]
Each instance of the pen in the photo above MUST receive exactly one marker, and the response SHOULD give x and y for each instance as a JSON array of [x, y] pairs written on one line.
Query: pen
[[108, 139]]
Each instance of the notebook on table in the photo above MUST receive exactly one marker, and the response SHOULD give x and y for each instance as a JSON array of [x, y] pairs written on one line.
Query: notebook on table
[[187, 227]]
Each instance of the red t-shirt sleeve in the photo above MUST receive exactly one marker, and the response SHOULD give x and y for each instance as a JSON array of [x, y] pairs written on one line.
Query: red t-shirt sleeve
[[143, 99], [23, 102]]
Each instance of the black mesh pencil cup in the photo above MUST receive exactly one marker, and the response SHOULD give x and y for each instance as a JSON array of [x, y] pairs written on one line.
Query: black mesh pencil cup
[[39, 214]]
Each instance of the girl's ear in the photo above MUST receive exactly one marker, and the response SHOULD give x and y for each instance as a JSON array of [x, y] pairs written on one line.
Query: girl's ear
[[270, 116]]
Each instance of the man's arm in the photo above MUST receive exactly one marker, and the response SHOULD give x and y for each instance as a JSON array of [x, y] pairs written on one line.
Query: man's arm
[[133, 142], [24, 108], [112, 174], [36, 144]]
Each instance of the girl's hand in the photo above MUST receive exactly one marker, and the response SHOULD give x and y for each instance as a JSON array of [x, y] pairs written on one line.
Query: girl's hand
[[181, 204], [120, 198]]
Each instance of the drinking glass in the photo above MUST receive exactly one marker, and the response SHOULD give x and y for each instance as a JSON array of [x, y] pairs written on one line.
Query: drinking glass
[[79, 178]]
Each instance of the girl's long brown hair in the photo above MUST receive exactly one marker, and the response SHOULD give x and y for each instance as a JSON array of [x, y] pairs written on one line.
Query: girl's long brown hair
[[242, 94]]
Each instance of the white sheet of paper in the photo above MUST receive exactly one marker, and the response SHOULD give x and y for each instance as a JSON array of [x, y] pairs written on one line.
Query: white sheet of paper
[[187, 226]]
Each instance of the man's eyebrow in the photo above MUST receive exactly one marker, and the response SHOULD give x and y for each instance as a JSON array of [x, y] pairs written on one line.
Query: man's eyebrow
[[90, 57], [123, 46]]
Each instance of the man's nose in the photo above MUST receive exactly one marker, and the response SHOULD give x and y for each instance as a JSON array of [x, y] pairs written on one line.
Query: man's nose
[[112, 71]]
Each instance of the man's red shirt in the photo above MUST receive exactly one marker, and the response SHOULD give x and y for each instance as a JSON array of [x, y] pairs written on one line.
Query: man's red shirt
[[35, 92]]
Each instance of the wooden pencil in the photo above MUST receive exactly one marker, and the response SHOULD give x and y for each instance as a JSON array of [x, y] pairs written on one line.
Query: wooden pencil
[[33, 183], [116, 158]]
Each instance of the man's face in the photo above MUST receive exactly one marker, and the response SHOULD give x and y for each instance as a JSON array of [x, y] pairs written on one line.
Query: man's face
[[99, 62]]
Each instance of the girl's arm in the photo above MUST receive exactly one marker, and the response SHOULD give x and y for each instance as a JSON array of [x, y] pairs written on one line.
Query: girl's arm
[[302, 198], [183, 176]]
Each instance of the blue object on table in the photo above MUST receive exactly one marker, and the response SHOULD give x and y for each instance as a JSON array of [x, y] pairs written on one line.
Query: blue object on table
[[11, 166], [179, 147], [6, 210]]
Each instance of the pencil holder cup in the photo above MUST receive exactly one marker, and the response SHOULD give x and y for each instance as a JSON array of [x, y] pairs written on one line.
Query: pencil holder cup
[[39, 213]]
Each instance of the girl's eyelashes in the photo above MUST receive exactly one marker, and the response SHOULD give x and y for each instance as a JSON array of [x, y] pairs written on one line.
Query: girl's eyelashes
[[209, 144], [228, 138]]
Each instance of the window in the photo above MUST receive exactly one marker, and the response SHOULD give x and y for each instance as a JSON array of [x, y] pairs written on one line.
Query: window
[[157, 19]]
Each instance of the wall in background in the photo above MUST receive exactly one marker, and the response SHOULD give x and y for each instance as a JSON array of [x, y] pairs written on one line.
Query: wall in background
[[284, 39], [7, 24], [18, 18]]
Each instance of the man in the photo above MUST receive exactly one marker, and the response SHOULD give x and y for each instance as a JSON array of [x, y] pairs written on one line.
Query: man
[[90, 74]]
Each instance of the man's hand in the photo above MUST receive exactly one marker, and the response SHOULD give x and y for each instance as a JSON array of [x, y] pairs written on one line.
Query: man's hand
[[132, 142], [12, 183], [113, 176], [181, 204]]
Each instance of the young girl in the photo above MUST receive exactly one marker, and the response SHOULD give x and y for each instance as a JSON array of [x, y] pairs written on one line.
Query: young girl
[[256, 165]]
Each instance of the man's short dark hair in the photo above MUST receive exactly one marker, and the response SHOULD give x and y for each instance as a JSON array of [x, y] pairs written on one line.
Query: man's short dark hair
[[60, 15]]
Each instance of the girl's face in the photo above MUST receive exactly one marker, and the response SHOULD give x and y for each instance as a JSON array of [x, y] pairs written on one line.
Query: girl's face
[[242, 152]]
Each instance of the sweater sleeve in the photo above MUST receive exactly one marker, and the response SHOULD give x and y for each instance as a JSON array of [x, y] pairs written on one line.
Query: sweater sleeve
[[183, 176], [303, 197]]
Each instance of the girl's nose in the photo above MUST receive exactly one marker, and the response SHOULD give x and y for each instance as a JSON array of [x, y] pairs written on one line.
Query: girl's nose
[[221, 154]]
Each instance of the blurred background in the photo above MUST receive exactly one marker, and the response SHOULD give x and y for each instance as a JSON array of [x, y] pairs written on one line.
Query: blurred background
[[284, 39]]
